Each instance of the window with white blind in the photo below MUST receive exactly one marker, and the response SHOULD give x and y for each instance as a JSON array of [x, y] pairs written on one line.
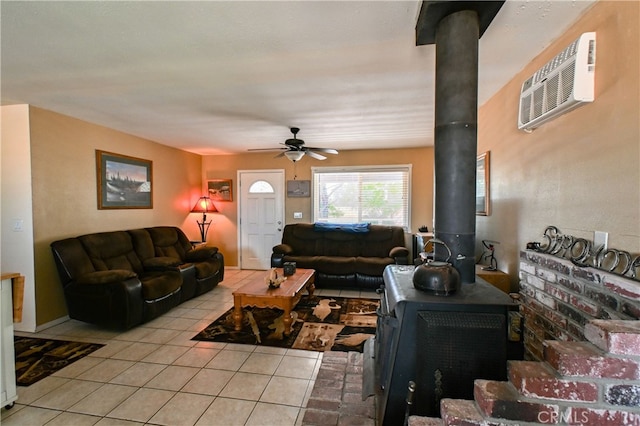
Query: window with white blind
[[375, 194]]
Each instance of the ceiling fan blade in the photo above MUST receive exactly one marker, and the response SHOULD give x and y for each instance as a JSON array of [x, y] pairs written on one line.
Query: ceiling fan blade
[[314, 155], [280, 155], [267, 149], [325, 150]]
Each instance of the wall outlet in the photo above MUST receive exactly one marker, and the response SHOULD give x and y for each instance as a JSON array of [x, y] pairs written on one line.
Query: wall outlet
[[297, 215], [600, 238]]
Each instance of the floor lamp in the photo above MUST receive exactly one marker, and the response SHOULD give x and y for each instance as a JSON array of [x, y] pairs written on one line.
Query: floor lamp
[[204, 205]]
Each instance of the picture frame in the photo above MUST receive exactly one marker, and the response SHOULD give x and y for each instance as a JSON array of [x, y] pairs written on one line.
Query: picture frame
[[220, 189], [123, 182], [483, 184], [298, 188]]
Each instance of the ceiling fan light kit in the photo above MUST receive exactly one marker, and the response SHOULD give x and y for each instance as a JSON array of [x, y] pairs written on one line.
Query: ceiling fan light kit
[[295, 149], [294, 155]]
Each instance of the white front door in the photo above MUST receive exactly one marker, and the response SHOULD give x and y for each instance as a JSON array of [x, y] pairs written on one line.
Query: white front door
[[261, 216]]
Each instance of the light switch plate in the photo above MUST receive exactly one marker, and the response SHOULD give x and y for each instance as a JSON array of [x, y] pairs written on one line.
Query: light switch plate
[[18, 225], [297, 215]]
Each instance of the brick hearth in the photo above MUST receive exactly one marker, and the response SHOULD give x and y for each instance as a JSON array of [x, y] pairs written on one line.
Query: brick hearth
[[336, 398]]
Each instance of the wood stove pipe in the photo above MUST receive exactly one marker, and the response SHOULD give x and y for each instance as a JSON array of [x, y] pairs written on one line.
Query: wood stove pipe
[[455, 27]]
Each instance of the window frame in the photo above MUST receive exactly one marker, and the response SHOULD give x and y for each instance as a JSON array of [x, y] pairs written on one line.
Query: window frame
[[405, 168]]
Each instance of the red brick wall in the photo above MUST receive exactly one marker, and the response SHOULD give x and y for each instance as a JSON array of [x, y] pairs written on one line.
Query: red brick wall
[[559, 298]]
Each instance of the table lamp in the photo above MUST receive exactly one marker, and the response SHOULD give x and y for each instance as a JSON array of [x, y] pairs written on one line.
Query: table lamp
[[204, 205]]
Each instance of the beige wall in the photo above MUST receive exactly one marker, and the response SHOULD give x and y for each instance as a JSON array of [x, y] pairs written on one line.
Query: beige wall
[[579, 172], [17, 245], [65, 196], [224, 232]]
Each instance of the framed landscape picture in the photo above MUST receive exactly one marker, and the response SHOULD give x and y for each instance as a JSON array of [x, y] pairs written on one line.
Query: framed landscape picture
[[221, 189], [123, 182]]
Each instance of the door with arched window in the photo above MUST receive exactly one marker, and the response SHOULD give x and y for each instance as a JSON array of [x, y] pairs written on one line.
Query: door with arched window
[[261, 216]]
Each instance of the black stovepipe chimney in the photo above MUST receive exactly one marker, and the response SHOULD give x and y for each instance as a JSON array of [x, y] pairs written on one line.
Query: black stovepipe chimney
[[455, 27]]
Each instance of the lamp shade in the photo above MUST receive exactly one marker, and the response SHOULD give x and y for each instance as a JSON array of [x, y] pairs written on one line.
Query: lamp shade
[[204, 205]]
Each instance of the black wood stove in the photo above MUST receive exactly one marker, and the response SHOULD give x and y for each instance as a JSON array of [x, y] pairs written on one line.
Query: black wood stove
[[440, 343]]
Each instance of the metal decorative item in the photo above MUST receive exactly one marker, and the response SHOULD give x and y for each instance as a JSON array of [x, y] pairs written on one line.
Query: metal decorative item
[[583, 253], [273, 280], [123, 182], [489, 256]]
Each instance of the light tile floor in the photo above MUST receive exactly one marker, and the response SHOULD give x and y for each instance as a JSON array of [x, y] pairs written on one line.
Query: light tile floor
[[155, 374]]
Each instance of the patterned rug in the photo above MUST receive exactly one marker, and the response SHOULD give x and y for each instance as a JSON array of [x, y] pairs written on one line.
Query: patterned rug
[[38, 358], [319, 324]]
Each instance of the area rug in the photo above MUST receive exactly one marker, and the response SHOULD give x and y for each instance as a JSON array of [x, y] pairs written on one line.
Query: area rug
[[38, 358], [319, 324]]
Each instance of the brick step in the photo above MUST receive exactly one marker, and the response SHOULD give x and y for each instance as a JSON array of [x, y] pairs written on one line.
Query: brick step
[[614, 336], [461, 412], [583, 359], [501, 400], [537, 380], [424, 421]]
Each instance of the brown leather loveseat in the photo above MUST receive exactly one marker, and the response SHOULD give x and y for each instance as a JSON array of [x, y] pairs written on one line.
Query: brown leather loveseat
[[124, 278], [344, 256]]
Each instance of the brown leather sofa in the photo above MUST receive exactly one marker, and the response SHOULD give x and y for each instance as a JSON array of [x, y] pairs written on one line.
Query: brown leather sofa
[[124, 278], [343, 256]]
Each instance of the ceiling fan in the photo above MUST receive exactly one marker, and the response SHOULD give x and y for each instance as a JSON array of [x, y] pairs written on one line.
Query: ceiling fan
[[294, 149]]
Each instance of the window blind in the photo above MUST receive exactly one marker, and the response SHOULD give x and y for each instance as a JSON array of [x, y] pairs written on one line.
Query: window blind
[[379, 194]]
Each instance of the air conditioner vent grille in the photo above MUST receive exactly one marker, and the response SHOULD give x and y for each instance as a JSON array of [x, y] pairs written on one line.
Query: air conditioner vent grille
[[562, 84], [567, 75], [552, 92]]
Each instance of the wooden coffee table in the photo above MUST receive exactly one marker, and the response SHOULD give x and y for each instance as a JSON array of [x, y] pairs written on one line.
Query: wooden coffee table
[[257, 293]]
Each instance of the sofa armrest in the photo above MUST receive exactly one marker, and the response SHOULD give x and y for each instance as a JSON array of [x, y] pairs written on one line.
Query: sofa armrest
[[282, 249], [106, 297], [200, 254], [279, 252], [400, 255]]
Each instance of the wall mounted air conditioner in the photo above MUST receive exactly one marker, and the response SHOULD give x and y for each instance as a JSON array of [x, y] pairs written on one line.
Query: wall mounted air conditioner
[[564, 83]]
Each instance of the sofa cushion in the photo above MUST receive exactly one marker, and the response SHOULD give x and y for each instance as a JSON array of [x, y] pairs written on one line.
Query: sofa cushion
[[160, 284], [169, 241], [206, 269], [380, 241], [304, 241], [111, 250], [142, 243], [71, 259], [341, 244], [335, 264], [372, 265]]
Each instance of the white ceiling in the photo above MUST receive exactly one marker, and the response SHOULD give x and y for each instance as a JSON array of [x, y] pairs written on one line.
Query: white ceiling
[[215, 77]]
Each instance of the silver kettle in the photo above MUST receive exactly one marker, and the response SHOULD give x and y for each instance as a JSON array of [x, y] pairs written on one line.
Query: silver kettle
[[437, 277]]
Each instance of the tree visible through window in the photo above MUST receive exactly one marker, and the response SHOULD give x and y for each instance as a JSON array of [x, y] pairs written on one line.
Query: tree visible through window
[[378, 195]]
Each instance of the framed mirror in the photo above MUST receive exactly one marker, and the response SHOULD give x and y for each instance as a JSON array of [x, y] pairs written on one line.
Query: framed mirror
[[482, 185]]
